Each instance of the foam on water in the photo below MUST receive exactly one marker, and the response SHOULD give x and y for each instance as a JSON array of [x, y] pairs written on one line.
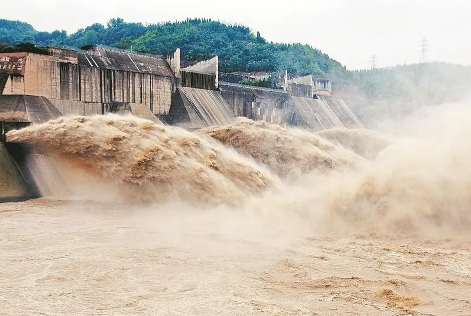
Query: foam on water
[[148, 162], [419, 183], [287, 152]]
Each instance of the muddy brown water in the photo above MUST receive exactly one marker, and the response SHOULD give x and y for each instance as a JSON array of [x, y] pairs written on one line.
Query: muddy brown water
[[160, 221], [89, 258]]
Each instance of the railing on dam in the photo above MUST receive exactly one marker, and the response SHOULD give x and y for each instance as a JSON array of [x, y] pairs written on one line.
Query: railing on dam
[[228, 84]]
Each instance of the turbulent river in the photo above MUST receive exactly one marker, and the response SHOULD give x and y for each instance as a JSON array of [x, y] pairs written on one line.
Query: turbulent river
[[250, 218]]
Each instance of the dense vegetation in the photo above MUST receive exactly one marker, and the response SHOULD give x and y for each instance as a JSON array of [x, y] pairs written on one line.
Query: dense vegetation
[[396, 92], [238, 48], [264, 83], [431, 81], [23, 47]]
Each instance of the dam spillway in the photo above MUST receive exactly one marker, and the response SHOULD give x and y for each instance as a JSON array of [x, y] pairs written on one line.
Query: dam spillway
[[12, 182], [37, 88], [208, 105], [24, 171]]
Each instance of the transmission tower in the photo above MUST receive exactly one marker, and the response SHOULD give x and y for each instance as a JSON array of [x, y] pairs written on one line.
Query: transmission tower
[[423, 50], [373, 61]]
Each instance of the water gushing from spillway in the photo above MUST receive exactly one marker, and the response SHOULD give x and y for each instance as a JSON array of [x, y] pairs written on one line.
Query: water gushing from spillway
[[337, 180], [145, 161]]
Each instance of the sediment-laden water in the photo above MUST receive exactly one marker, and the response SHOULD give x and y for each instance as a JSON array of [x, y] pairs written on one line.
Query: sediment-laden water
[[249, 218]]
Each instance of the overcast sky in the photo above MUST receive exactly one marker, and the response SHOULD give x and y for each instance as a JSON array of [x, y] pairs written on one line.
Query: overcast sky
[[350, 31]]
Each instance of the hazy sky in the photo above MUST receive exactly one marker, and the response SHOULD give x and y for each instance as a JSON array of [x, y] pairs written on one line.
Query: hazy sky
[[350, 31]]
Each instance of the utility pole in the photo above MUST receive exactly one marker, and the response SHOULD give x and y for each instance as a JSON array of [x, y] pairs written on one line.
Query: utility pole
[[373, 61], [423, 51]]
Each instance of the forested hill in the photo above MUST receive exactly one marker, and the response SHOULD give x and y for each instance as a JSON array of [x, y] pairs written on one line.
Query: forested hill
[[430, 81], [237, 47], [396, 92]]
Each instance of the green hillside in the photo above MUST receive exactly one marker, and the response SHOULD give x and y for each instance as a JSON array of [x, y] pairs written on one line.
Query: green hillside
[[238, 48], [404, 85]]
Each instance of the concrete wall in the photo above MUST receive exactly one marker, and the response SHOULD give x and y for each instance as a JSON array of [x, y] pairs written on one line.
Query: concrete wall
[[209, 105], [300, 90], [240, 101], [12, 63], [96, 85], [41, 76], [322, 87], [174, 61], [256, 103], [300, 86], [12, 184], [183, 114], [209, 66], [198, 80], [71, 107], [61, 77], [3, 80], [14, 85], [341, 109], [202, 75], [285, 107], [309, 114], [26, 108]]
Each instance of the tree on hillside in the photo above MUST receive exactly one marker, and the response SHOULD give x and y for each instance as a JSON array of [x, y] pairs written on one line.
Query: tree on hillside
[[238, 48]]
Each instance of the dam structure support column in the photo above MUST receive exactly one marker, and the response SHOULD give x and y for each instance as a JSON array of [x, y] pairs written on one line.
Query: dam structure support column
[[198, 102], [23, 169]]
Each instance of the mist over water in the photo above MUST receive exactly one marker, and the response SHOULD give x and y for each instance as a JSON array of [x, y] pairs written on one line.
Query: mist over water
[[147, 162], [246, 219], [289, 153], [414, 182]]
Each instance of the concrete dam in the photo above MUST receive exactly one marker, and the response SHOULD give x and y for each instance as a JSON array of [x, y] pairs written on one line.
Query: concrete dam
[[35, 88], [23, 170], [315, 110]]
